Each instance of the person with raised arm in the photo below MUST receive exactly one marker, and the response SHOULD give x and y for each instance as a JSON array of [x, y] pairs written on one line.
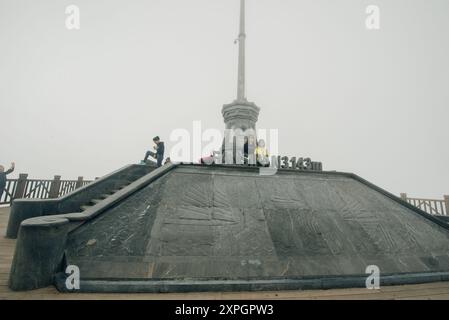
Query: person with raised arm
[[3, 175]]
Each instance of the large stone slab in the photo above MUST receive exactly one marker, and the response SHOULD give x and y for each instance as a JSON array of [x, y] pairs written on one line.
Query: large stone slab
[[222, 223]]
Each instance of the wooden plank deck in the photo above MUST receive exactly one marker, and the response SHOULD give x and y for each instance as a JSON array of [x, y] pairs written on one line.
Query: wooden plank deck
[[438, 290]]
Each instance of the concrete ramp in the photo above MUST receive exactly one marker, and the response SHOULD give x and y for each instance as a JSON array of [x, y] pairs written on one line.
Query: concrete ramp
[[217, 224]]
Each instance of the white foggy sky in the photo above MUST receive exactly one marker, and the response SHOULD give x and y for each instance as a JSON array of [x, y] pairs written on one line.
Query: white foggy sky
[[87, 102]]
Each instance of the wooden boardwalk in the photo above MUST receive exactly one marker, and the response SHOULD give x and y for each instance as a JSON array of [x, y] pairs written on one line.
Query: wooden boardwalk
[[438, 290]]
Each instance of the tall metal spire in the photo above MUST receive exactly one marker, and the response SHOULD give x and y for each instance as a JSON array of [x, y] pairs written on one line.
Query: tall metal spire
[[241, 95], [241, 114]]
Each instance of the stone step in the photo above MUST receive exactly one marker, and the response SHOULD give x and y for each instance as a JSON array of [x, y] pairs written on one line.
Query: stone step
[[95, 201], [119, 188], [85, 207]]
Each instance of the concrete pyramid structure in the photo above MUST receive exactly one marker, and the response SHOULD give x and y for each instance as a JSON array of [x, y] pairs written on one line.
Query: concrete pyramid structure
[[199, 228]]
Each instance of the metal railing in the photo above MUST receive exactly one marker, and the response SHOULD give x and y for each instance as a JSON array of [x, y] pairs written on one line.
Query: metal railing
[[431, 206], [38, 189]]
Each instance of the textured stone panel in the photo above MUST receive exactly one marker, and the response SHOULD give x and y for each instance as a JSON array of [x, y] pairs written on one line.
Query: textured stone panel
[[197, 223]]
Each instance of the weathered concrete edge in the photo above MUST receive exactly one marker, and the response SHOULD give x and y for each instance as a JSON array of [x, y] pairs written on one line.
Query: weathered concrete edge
[[23, 209], [39, 252], [42, 240], [445, 219], [185, 286], [121, 195]]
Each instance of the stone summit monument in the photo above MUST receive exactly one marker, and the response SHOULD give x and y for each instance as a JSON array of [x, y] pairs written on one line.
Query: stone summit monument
[[241, 114], [187, 227]]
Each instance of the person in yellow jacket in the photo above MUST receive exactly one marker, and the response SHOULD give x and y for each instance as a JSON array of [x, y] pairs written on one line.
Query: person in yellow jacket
[[262, 155]]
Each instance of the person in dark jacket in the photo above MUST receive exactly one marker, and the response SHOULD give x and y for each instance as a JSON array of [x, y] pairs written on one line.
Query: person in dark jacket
[[3, 175], [249, 149], [159, 154]]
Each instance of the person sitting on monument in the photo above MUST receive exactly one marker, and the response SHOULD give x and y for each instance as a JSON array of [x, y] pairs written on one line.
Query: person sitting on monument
[[3, 175], [159, 154], [262, 155], [210, 160]]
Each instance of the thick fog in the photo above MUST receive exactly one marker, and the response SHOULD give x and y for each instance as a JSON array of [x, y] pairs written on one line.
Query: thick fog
[[86, 102]]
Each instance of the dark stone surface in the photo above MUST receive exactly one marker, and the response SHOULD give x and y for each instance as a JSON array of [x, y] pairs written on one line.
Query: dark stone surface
[[232, 224], [322, 283], [443, 218], [39, 252], [42, 240], [23, 209]]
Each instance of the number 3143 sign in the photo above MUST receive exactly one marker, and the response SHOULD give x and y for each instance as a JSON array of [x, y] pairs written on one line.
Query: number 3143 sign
[[296, 163]]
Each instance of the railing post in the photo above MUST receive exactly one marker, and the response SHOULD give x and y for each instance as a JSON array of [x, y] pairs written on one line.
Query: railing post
[[79, 182], [21, 186], [54, 188], [446, 202], [404, 196]]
